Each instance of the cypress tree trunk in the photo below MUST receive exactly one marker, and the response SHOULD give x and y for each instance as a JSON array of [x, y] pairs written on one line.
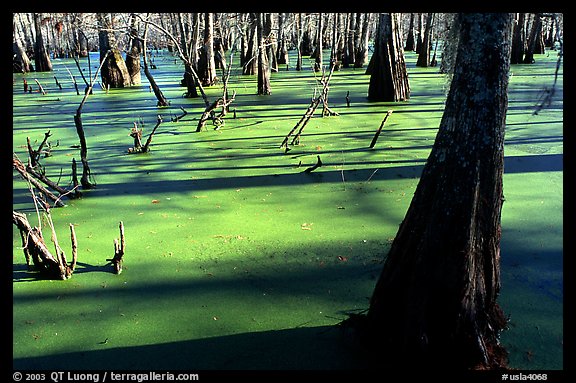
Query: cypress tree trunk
[[206, 65], [388, 75], [282, 51], [410, 42], [263, 65], [435, 301], [535, 35], [133, 57], [518, 40], [41, 58], [319, 46], [424, 53], [21, 62], [114, 71], [250, 65], [362, 47]]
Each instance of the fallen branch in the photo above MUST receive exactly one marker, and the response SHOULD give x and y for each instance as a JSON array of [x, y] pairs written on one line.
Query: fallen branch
[[379, 129]]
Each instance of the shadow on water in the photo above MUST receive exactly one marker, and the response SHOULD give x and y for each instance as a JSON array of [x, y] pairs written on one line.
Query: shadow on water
[[513, 164], [305, 348]]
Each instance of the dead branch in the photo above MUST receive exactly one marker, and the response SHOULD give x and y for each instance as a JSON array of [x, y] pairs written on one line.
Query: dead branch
[[310, 111], [119, 249], [137, 134], [40, 87], [19, 167], [221, 102], [36, 251], [379, 129], [177, 118], [316, 165], [35, 154], [80, 130]]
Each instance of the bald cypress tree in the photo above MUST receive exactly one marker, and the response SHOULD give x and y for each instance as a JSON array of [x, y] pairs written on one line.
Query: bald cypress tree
[[435, 302]]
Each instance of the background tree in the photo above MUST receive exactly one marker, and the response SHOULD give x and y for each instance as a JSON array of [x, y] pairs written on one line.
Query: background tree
[[250, 45], [189, 25], [534, 40], [114, 71], [206, 64], [282, 50], [318, 56], [79, 41], [21, 61], [519, 39], [387, 68], [362, 46], [410, 40], [133, 55], [41, 57], [436, 299], [263, 64], [424, 52]]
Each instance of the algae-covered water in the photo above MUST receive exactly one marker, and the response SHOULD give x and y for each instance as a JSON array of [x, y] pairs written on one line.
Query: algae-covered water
[[238, 259]]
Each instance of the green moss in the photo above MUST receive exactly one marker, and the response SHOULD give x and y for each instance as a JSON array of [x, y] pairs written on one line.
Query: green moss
[[229, 242]]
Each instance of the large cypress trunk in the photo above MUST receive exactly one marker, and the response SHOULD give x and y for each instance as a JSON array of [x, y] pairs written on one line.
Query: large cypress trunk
[[114, 71], [387, 69], [435, 302]]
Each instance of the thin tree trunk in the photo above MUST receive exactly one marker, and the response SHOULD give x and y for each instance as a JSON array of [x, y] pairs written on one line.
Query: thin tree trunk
[[319, 47]]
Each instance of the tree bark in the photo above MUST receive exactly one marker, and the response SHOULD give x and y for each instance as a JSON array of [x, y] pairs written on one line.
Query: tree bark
[[435, 302]]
